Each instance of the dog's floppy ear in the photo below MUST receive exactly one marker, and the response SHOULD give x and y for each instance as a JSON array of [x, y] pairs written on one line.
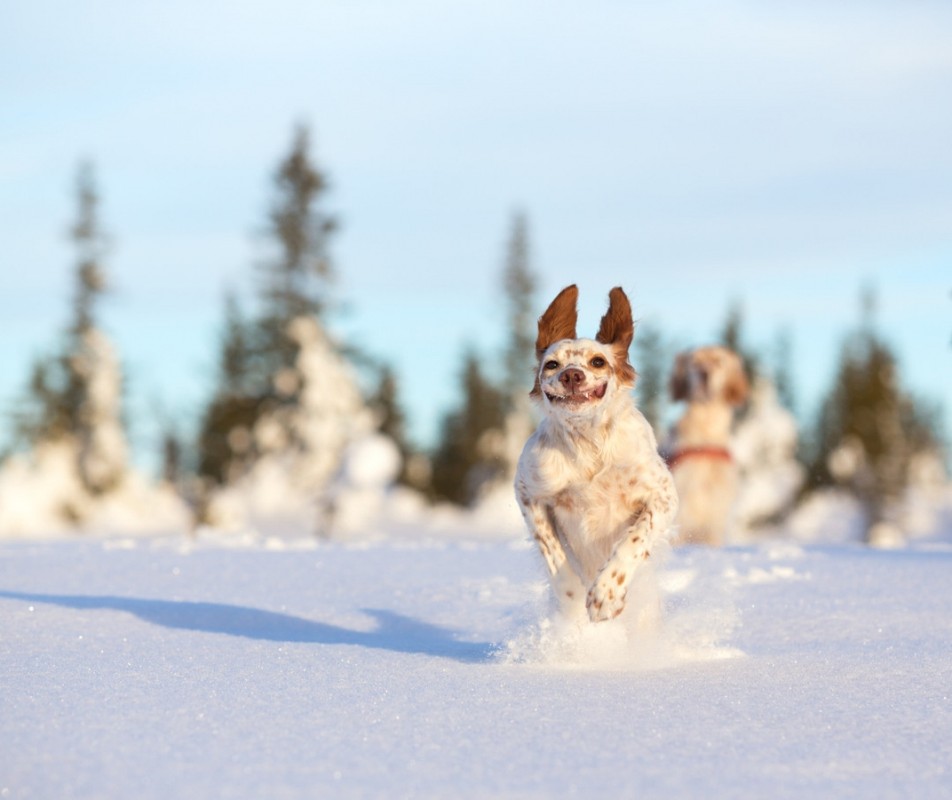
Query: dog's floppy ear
[[559, 320], [617, 329], [737, 388], [678, 385]]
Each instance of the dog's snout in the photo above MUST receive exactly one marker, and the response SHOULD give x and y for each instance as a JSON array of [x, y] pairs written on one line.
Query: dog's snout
[[572, 378]]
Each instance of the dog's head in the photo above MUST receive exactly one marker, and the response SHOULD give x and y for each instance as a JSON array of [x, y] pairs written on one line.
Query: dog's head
[[576, 376], [709, 374]]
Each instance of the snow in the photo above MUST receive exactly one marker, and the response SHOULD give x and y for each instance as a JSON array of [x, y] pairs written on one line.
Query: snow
[[764, 445], [83, 478], [427, 665], [103, 452], [41, 490], [304, 445]]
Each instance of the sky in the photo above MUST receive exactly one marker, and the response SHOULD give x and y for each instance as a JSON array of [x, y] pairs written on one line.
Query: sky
[[779, 156]]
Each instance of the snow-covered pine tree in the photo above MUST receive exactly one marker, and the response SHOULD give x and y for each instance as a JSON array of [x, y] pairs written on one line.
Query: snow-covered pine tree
[[519, 284], [74, 466], [93, 392], [296, 279], [391, 422], [869, 428], [258, 383], [764, 444], [481, 441], [225, 444], [76, 395], [288, 403], [464, 459]]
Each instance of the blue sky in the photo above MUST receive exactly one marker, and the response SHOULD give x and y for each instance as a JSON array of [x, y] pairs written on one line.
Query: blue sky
[[780, 155]]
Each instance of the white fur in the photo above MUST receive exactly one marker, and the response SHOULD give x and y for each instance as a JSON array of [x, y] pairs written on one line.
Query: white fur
[[712, 381], [592, 488]]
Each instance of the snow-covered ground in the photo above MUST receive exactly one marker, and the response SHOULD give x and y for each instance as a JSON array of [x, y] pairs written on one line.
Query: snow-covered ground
[[425, 667]]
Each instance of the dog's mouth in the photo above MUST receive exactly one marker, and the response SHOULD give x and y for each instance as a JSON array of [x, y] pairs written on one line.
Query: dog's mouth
[[578, 398]]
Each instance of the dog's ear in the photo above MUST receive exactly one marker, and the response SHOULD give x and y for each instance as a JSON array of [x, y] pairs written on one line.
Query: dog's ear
[[617, 329], [678, 385], [737, 389], [559, 320]]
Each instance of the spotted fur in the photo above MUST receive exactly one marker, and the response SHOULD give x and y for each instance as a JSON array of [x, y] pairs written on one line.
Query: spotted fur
[[592, 488]]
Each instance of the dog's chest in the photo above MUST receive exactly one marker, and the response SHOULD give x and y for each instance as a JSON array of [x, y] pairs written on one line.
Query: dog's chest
[[601, 501], [593, 513]]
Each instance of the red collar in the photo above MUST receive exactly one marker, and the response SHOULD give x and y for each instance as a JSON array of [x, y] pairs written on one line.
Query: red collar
[[701, 451]]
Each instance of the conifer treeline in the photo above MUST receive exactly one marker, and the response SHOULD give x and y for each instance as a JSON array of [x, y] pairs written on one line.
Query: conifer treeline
[[865, 437]]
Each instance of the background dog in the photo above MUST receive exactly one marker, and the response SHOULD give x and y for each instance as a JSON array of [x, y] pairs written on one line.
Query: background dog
[[712, 381], [592, 488]]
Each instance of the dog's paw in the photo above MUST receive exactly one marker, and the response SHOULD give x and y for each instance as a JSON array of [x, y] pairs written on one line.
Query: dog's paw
[[606, 600]]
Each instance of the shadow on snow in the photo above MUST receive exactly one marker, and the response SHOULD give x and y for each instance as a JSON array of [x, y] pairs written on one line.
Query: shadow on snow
[[394, 632]]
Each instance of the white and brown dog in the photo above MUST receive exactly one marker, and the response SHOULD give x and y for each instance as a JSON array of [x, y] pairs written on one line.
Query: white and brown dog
[[712, 381], [592, 488]]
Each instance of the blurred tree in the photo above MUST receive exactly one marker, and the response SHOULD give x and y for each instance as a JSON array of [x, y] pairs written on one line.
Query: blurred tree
[[869, 427], [652, 361], [391, 421], [224, 440], [481, 440], [234, 360], [74, 396], [57, 388], [519, 285], [225, 443], [463, 460], [257, 362], [171, 457], [296, 280], [783, 370], [91, 246], [732, 336]]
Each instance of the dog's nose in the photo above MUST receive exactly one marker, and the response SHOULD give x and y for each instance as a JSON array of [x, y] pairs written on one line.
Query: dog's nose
[[572, 378]]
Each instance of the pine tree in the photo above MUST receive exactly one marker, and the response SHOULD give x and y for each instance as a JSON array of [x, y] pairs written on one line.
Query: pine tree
[[869, 427], [296, 281], [462, 462], [90, 247], [75, 395], [783, 370], [391, 421], [94, 385], [225, 442], [732, 336], [257, 371], [57, 388], [234, 364], [651, 361], [519, 285]]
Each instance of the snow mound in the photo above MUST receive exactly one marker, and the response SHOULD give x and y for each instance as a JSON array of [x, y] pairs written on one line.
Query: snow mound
[[41, 494]]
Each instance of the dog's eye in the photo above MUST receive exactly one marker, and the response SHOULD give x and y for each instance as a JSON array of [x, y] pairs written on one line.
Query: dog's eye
[[597, 362], [551, 365]]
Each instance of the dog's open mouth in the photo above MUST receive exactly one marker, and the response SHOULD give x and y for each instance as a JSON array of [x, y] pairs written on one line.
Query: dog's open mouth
[[578, 398]]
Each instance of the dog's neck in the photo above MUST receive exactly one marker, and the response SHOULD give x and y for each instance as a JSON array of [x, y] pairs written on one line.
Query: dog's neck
[[705, 424]]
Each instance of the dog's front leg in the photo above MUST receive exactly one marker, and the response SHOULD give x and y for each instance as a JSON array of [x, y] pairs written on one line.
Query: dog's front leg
[[565, 582], [606, 597]]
